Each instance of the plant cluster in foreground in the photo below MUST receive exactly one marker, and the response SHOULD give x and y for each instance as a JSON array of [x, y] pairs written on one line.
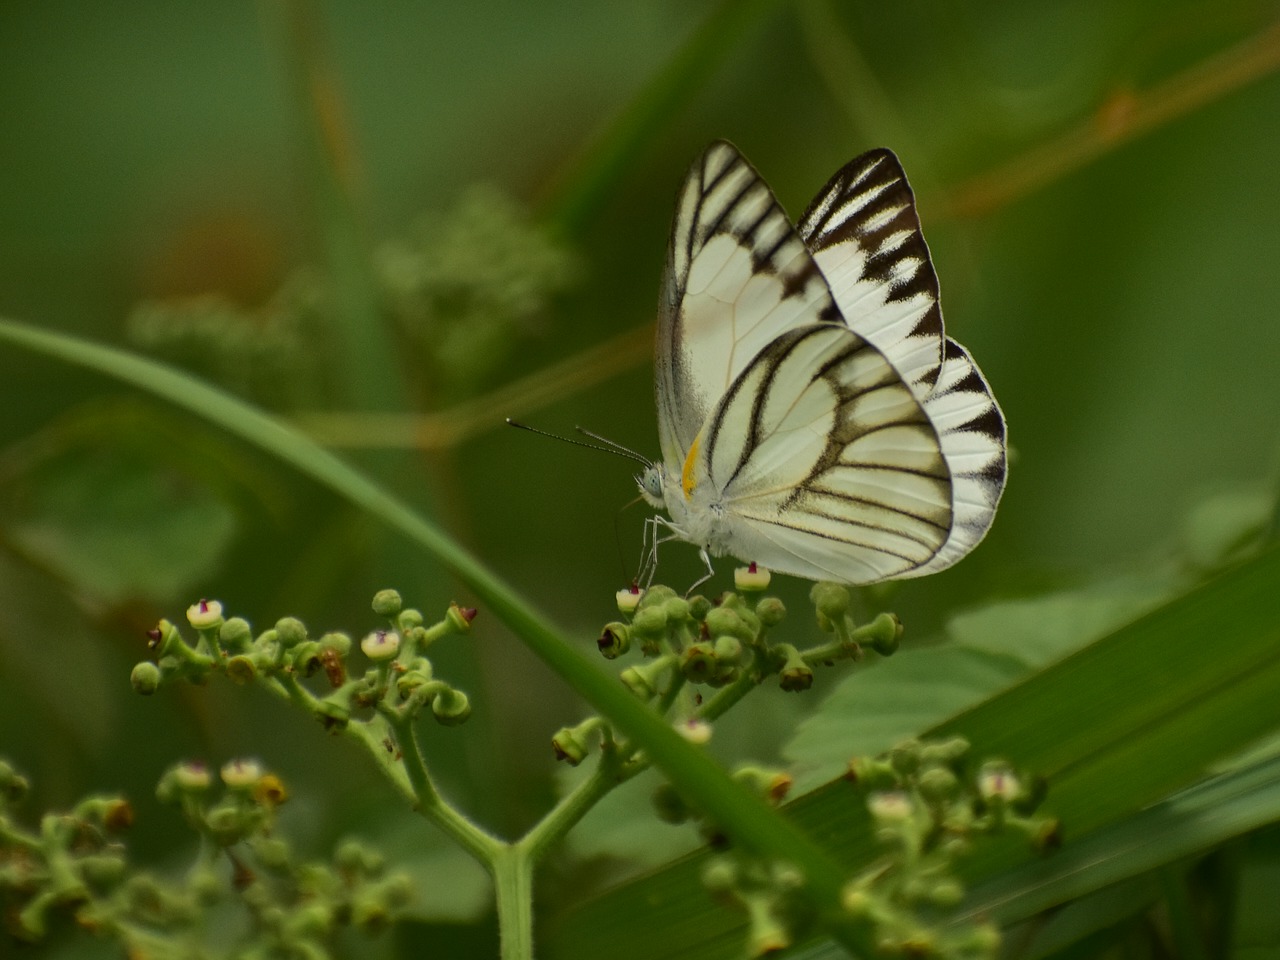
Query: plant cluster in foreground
[[73, 866]]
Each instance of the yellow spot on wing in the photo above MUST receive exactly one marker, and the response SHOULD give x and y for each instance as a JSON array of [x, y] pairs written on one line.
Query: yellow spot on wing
[[687, 480]]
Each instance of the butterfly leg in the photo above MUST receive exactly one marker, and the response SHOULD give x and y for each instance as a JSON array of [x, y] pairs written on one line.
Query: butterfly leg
[[706, 558], [652, 539]]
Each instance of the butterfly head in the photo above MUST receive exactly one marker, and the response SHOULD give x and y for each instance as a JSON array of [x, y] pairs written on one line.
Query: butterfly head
[[652, 483]]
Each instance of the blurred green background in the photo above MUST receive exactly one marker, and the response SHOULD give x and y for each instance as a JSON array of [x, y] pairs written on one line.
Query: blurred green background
[[229, 186]]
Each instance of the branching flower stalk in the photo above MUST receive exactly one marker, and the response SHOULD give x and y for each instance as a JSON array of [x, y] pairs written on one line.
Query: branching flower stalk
[[689, 646]]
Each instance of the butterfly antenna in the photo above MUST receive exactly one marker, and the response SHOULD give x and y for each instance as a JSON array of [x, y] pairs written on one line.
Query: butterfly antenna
[[615, 446], [605, 446]]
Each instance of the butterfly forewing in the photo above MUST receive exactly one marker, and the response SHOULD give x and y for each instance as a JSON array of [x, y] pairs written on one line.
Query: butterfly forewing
[[737, 277], [864, 233]]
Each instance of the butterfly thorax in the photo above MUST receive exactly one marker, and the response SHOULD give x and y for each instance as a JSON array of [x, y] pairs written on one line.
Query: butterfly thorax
[[696, 513]]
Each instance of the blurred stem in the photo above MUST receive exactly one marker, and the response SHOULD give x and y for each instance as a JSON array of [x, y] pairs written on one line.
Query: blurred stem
[[850, 81], [1126, 116], [578, 192], [370, 378], [1187, 939]]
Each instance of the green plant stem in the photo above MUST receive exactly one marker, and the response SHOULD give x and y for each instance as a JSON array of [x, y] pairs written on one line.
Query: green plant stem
[[1189, 943], [513, 887], [575, 804], [486, 848]]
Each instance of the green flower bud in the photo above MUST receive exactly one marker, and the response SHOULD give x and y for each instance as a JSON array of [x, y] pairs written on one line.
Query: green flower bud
[[145, 678], [13, 785], [290, 631], [387, 603], [699, 607], [381, 645], [353, 856], [643, 679], [271, 852], [451, 707], [460, 618], [409, 620], [227, 824], [771, 611], [721, 620], [570, 746], [205, 614], [720, 874], [677, 609], [905, 757], [727, 651], [312, 921], [336, 641], [886, 634], [305, 658], [698, 662], [772, 784], [830, 599], [650, 622], [946, 893], [948, 752], [241, 668], [938, 784], [614, 640], [413, 678], [103, 869], [241, 774], [235, 634], [334, 711], [795, 675], [752, 578]]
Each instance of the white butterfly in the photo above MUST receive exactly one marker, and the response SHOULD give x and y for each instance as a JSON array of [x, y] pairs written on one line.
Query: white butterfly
[[813, 415]]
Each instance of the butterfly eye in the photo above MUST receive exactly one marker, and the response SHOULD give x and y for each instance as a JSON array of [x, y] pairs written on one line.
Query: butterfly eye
[[650, 483]]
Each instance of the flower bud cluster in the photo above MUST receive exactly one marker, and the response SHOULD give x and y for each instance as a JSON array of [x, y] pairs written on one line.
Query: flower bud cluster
[[69, 861], [721, 646], [766, 890], [71, 865], [398, 676], [928, 809]]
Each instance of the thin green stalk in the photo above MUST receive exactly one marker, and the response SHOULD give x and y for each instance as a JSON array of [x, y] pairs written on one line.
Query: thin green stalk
[[513, 886], [574, 805], [486, 848], [1187, 937]]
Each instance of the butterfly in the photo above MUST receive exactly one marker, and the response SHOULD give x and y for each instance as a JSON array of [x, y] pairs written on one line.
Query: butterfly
[[813, 415]]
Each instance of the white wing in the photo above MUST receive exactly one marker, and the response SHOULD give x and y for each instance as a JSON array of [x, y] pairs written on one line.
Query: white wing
[[826, 463], [839, 432], [864, 232], [737, 276]]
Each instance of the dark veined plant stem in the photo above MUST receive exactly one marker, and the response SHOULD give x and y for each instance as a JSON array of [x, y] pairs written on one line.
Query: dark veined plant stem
[[740, 813]]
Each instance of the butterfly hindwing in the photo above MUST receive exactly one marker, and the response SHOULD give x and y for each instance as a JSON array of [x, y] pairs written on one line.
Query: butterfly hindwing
[[826, 463], [737, 276]]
